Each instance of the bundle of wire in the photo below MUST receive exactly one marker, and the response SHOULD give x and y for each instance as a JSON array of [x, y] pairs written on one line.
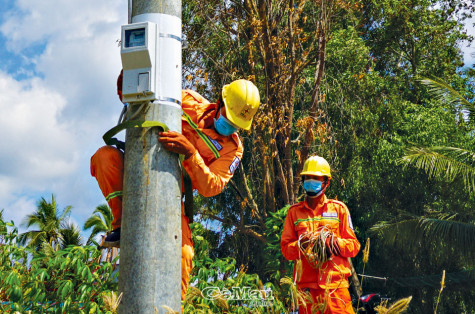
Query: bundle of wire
[[312, 245]]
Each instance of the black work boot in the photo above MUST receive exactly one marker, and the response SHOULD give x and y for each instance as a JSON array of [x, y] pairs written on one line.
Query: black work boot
[[112, 239]]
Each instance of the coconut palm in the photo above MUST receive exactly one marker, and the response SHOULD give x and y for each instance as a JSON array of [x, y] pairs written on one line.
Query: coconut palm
[[100, 222], [433, 226], [446, 163], [70, 235], [49, 224]]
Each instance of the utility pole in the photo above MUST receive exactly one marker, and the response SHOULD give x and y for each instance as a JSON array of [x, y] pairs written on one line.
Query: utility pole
[[150, 257]]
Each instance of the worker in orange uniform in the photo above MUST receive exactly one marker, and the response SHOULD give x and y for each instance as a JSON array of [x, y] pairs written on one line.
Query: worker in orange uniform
[[209, 143], [308, 218]]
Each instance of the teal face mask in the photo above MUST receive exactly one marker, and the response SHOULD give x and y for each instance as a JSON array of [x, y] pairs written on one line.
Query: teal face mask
[[223, 126], [313, 187]]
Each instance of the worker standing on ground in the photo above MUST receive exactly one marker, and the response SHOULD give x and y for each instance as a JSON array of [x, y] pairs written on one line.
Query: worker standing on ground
[[318, 231], [209, 143]]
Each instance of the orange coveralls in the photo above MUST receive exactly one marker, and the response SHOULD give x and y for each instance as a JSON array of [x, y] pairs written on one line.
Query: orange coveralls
[[300, 219], [208, 174]]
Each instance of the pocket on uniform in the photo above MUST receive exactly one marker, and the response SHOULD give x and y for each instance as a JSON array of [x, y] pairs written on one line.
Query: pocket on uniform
[[331, 224], [301, 229]]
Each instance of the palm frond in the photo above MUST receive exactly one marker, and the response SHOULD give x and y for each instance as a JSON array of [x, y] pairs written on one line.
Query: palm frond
[[408, 233], [404, 232], [95, 222], [458, 233], [65, 213], [47, 249], [447, 94], [100, 221], [443, 162], [32, 238], [34, 219], [48, 223], [106, 213], [70, 235]]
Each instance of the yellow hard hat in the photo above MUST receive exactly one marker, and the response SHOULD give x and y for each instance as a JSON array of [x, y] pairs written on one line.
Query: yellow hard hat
[[317, 166], [241, 100]]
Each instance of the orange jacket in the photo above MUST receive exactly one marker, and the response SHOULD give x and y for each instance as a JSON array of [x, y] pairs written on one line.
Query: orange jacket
[[300, 218], [208, 174]]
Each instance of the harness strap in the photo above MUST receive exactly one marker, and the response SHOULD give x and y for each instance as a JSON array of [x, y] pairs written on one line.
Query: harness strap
[[107, 137], [110, 140]]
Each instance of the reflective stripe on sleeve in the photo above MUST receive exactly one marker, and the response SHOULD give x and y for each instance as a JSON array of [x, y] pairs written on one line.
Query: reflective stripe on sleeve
[[113, 195], [202, 135]]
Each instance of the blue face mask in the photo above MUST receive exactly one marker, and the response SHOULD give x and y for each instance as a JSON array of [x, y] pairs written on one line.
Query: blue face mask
[[313, 187], [223, 126]]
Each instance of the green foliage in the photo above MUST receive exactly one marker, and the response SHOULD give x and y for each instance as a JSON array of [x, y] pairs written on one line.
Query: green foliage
[[277, 266], [446, 94], [100, 221], [448, 163], [219, 285], [371, 107], [71, 280], [50, 223], [362, 113]]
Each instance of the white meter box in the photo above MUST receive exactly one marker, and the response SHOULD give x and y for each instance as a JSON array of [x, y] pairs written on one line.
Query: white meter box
[[138, 53], [151, 60]]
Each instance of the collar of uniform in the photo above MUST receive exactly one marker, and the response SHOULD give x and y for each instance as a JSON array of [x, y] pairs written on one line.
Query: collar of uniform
[[206, 121], [305, 205]]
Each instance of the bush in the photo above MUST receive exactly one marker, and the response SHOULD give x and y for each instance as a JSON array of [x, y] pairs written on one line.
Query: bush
[[72, 280]]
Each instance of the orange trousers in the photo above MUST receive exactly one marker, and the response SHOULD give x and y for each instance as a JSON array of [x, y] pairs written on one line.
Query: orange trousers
[[107, 166], [338, 301]]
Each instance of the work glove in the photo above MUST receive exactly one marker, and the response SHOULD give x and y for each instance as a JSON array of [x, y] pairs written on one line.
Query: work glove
[[177, 143], [332, 245]]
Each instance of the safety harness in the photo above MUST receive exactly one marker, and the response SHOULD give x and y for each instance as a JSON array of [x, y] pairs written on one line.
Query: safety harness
[[110, 140]]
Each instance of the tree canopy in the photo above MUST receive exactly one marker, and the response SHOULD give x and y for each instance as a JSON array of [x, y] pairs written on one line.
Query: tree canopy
[[345, 79]]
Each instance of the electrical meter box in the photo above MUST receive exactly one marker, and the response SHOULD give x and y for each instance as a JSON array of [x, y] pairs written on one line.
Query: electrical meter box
[[151, 60], [139, 61]]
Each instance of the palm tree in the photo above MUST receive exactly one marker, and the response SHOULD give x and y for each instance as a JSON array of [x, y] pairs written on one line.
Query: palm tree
[[100, 222], [70, 235], [446, 163], [49, 224]]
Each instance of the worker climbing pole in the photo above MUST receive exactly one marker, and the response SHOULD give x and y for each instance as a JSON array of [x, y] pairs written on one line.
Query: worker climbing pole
[[150, 259], [147, 207]]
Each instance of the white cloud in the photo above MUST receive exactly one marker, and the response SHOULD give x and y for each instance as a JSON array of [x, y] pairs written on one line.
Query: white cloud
[[22, 206], [36, 143], [33, 21], [52, 121]]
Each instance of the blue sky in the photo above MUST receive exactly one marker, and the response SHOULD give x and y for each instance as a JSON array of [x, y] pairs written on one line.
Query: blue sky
[[59, 62]]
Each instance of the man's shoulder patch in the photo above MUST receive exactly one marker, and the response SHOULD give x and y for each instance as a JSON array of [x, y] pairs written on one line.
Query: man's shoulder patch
[[215, 143], [350, 222], [234, 165]]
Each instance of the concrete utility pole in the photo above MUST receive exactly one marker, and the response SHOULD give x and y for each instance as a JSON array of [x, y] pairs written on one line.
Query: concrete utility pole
[[150, 257]]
